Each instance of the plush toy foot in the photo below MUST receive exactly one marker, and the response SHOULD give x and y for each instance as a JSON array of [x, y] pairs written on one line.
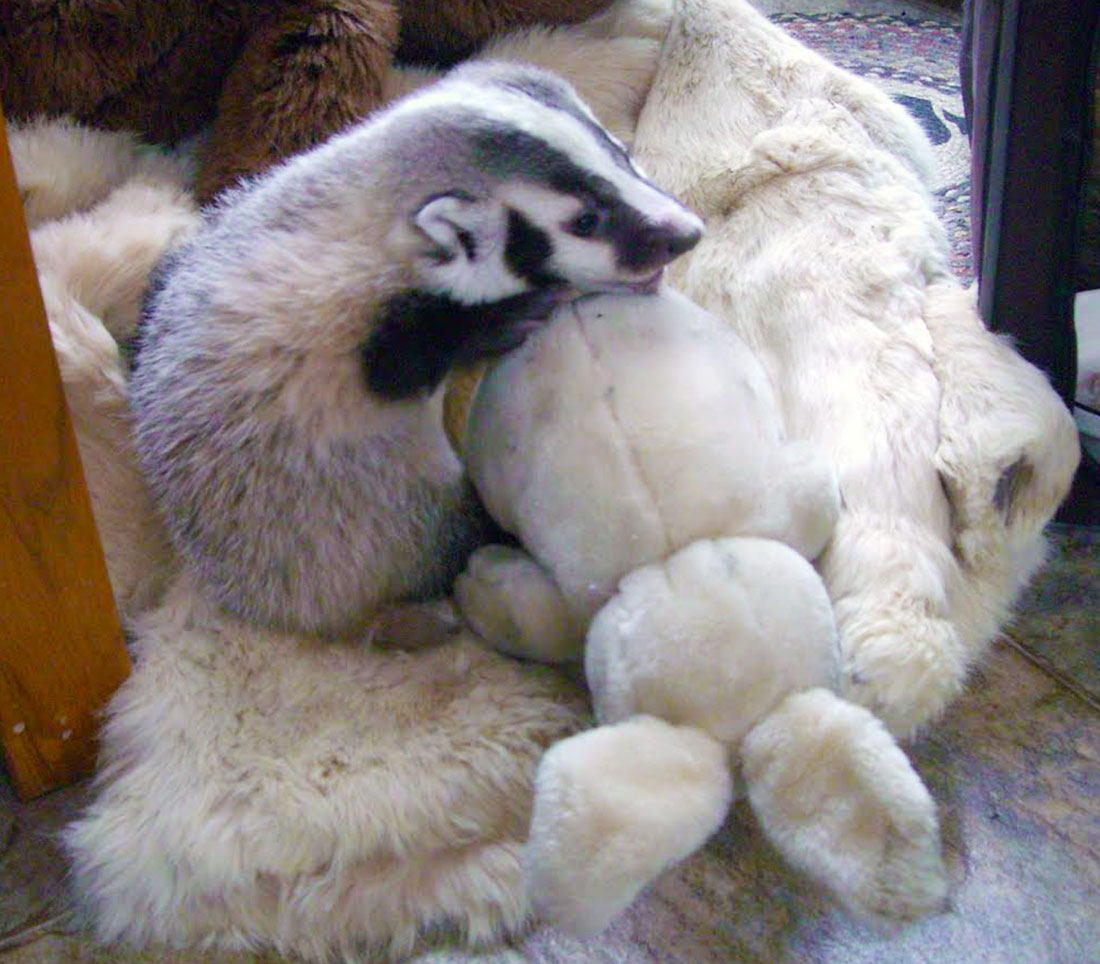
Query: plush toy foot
[[513, 604], [840, 800], [614, 807]]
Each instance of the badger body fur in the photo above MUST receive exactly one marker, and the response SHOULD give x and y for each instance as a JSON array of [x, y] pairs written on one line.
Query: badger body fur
[[285, 393]]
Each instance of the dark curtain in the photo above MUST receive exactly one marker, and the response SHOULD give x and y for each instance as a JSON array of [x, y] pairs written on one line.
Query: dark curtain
[[1027, 69]]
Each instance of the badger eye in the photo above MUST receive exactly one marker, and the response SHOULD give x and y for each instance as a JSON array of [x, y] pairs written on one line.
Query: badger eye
[[588, 222]]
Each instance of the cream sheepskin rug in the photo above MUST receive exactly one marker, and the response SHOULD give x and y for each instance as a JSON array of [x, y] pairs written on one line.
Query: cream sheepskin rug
[[259, 790], [256, 789]]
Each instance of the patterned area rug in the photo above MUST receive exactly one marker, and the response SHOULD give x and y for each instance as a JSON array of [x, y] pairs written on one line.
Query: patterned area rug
[[916, 62]]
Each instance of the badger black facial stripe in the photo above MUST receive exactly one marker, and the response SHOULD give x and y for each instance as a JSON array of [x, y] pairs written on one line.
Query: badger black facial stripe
[[469, 244], [527, 251], [510, 152]]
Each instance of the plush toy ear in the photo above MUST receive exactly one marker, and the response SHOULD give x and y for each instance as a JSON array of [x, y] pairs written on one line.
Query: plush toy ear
[[840, 800], [461, 226], [614, 807]]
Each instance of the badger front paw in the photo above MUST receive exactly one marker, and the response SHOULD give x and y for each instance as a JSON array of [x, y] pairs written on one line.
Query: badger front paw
[[414, 625], [509, 600]]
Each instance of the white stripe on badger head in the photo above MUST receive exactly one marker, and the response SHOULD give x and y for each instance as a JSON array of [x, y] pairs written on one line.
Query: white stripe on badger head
[[562, 131], [584, 145]]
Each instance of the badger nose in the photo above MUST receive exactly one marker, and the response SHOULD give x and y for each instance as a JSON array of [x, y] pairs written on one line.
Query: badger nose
[[680, 242], [664, 242]]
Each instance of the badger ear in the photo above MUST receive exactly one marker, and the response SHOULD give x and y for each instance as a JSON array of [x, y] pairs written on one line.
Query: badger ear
[[462, 226]]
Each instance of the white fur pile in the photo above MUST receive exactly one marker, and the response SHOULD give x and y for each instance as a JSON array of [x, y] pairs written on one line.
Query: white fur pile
[[268, 791], [824, 252]]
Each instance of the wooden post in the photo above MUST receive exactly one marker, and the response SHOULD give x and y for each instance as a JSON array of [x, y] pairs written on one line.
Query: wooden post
[[61, 649]]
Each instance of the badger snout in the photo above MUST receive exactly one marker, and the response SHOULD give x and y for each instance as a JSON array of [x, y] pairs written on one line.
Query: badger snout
[[659, 243]]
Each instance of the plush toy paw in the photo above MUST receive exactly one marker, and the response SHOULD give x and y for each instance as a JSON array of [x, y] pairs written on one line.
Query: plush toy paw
[[509, 600], [840, 800], [813, 494], [614, 807]]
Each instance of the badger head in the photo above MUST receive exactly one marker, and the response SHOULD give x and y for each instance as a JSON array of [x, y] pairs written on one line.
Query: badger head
[[517, 199], [535, 194]]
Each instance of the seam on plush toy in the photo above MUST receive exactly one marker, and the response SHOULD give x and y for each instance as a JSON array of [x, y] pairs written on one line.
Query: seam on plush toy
[[609, 405]]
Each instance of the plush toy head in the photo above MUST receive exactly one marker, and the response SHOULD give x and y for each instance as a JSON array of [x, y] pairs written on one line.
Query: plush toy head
[[628, 428], [635, 448]]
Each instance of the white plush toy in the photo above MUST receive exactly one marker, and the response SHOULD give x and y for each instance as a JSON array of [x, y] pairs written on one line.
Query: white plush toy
[[635, 449]]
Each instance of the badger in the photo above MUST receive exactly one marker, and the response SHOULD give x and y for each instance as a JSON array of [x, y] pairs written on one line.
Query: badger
[[286, 383]]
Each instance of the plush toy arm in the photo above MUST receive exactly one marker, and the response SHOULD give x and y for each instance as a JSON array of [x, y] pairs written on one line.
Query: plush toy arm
[[514, 604], [813, 495], [840, 800], [614, 807]]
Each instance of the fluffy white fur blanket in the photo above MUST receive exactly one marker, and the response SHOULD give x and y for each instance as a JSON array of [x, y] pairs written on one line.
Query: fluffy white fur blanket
[[271, 791], [824, 252]]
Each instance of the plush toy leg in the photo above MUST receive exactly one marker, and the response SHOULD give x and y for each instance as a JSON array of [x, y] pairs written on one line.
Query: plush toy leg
[[841, 802], [514, 604], [307, 72], [614, 807]]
